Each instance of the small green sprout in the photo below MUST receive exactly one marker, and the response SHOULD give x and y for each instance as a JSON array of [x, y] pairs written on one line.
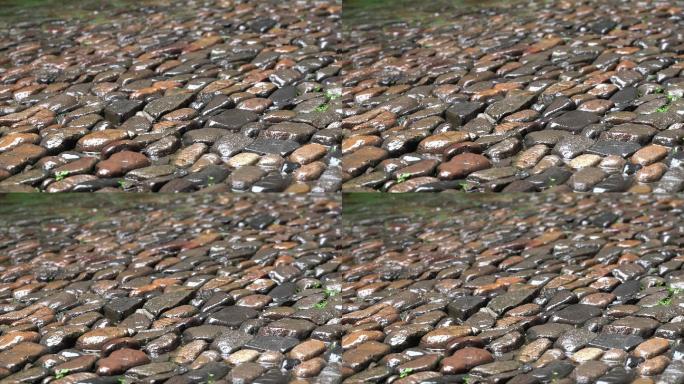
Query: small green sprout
[[122, 380], [467, 379], [316, 285], [670, 99], [331, 292], [463, 185], [59, 176], [674, 291], [659, 90], [403, 177], [666, 302], [61, 373], [210, 181], [330, 95], [671, 292], [405, 372], [122, 183], [322, 108], [321, 305], [317, 88]]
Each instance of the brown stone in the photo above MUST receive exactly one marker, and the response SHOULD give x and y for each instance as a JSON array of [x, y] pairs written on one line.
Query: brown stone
[[95, 141], [11, 339], [465, 359], [651, 347], [357, 162], [310, 368], [358, 357], [462, 165], [21, 156], [120, 163], [355, 339], [94, 339], [353, 143], [649, 154], [440, 337], [120, 361], [310, 171], [307, 350], [437, 143], [651, 173], [14, 140], [22, 353], [308, 153], [654, 366]]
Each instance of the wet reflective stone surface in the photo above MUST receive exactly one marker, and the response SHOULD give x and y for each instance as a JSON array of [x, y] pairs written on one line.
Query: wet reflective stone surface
[[555, 95], [514, 288], [217, 95], [194, 289]]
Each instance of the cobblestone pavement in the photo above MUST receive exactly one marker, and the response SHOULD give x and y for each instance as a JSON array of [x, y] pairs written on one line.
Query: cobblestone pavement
[[535, 95], [221, 288], [530, 96], [220, 95], [527, 289], [259, 289]]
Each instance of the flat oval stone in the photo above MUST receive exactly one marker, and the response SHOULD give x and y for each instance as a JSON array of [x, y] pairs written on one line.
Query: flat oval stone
[[94, 339]]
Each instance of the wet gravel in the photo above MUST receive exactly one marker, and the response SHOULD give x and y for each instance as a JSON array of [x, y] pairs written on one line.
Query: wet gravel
[[218, 95], [270, 96], [547, 288], [254, 288], [536, 95], [198, 289]]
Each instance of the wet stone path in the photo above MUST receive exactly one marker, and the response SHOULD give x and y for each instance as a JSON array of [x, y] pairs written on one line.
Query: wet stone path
[[220, 289], [535, 95], [560, 289], [216, 95], [258, 289]]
